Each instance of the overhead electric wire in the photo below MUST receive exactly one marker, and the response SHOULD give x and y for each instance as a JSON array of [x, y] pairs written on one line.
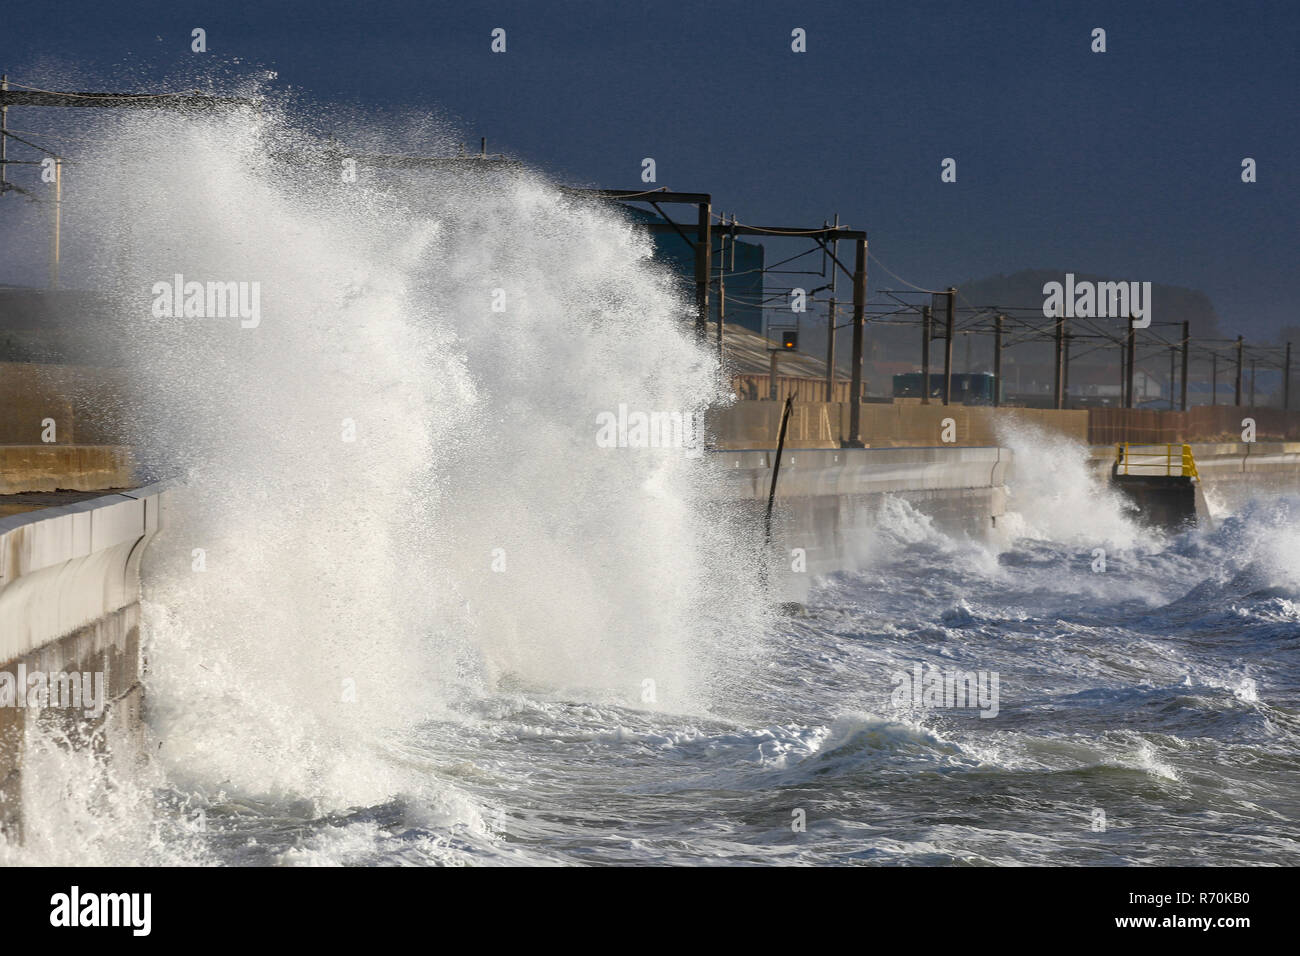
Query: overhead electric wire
[[34, 145], [871, 255], [100, 96]]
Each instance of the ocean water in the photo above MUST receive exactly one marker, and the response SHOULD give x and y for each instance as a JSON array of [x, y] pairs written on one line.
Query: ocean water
[[1161, 692], [405, 609]]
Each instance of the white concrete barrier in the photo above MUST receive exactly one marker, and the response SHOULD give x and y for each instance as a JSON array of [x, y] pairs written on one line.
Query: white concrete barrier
[[828, 501], [69, 605], [64, 568]]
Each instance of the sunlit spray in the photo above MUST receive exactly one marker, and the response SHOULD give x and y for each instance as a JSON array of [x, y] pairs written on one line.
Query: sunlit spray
[[391, 475]]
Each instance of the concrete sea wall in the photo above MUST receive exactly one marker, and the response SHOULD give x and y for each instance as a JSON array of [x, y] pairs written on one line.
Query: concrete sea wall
[[829, 501], [69, 603]]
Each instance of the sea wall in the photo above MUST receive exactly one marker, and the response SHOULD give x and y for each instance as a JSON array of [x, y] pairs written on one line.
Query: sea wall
[[828, 502], [69, 604]]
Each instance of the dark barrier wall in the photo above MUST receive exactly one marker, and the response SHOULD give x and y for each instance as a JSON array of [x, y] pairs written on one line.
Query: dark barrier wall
[[87, 404], [1167, 502]]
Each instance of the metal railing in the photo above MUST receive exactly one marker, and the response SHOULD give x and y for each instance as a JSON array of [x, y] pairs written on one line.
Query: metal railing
[[1155, 459]]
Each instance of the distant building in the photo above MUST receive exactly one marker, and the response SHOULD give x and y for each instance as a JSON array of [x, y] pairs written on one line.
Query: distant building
[[1101, 385], [743, 279]]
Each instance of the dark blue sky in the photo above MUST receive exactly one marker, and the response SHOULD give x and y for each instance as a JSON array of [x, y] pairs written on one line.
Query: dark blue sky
[[1124, 164]]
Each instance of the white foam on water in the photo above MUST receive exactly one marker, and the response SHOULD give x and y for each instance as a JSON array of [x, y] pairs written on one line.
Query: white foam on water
[[81, 809], [1055, 494]]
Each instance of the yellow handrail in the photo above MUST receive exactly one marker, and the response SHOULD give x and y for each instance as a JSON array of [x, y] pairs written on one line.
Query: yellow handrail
[[1151, 462]]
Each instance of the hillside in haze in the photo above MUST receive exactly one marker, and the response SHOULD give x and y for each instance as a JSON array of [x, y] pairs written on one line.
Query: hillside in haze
[[1025, 289]]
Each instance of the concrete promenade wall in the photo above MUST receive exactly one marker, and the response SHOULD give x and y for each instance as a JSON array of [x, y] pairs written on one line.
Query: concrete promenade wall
[[69, 601], [830, 501]]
